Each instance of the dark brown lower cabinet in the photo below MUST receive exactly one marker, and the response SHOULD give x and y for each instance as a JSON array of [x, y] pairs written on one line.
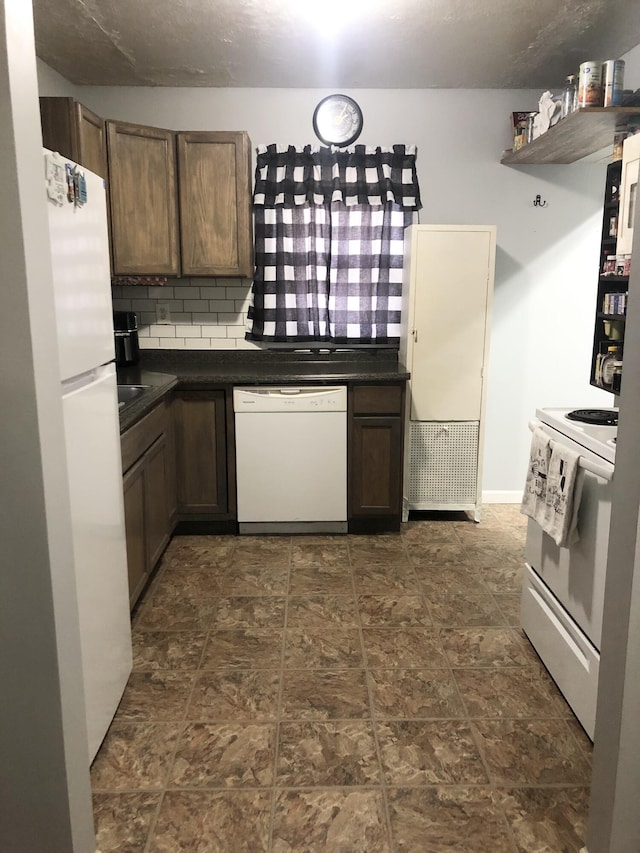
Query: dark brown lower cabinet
[[149, 494], [376, 432], [205, 476], [134, 517]]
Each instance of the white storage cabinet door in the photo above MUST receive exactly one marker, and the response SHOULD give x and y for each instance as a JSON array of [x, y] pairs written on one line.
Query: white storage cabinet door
[[450, 301]]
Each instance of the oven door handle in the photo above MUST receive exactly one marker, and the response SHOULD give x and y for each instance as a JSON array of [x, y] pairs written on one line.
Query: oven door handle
[[602, 471]]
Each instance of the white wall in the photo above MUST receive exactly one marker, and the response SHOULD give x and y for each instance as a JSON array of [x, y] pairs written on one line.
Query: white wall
[[546, 271], [54, 85]]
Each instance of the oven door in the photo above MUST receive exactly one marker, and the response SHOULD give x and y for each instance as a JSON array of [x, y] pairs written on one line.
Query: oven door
[[576, 575]]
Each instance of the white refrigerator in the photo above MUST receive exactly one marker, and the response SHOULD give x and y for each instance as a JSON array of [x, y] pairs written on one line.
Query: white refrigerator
[[82, 289]]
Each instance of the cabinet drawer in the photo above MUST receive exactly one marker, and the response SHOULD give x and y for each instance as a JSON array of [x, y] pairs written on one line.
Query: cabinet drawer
[[136, 440], [377, 400]]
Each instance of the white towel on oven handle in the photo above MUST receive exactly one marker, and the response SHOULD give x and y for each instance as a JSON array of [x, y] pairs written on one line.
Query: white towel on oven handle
[[564, 490], [553, 488], [535, 488]]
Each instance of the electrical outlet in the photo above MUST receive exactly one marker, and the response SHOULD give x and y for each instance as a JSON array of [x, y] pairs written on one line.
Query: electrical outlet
[[163, 312]]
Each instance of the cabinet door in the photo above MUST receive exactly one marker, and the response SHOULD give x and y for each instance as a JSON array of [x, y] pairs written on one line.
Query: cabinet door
[[451, 289], [143, 198], [134, 518], [375, 466], [215, 203], [74, 131], [201, 453], [628, 191], [156, 461], [92, 143]]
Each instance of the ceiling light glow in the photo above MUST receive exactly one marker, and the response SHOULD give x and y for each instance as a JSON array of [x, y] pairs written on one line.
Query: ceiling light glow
[[329, 17]]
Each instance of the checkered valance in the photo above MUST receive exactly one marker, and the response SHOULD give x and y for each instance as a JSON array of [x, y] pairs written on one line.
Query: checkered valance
[[359, 175], [329, 243]]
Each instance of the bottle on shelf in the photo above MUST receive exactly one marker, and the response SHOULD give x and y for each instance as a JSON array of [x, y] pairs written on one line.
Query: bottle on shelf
[[608, 365], [569, 96]]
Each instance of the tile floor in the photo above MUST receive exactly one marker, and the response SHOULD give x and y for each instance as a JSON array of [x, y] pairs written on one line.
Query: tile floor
[[353, 694]]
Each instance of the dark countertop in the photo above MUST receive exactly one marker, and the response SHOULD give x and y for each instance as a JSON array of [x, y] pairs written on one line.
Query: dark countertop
[[162, 370]]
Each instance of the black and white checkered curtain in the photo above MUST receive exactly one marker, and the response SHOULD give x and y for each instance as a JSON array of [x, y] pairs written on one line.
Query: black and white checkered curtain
[[329, 243]]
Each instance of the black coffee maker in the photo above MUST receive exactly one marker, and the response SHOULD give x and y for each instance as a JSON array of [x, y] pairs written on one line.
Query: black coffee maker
[[125, 330]]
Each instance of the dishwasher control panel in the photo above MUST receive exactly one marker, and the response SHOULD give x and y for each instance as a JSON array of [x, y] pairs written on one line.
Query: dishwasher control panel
[[289, 398]]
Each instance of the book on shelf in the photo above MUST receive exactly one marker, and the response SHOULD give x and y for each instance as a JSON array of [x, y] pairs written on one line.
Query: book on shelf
[[519, 128]]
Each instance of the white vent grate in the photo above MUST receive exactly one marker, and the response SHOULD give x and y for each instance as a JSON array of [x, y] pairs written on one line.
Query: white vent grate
[[443, 463]]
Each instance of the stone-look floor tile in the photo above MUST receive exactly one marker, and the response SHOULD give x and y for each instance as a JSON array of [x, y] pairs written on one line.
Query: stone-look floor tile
[[518, 532], [317, 551], [486, 536], [393, 611], [438, 554], [503, 577], [581, 736], [379, 580], [328, 579], [122, 821], [427, 532], [134, 756], [232, 695], [509, 604], [373, 549], [377, 541], [545, 819], [320, 611], [262, 551], [167, 649], [405, 647], [243, 648], [248, 611], [491, 647], [213, 821], [414, 694], [380, 558], [415, 752], [324, 695], [155, 696], [255, 580], [466, 609], [441, 583], [333, 821], [510, 692], [182, 600], [199, 552], [552, 755], [333, 648], [324, 754], [447, 820], [225, 755], [489, 555]]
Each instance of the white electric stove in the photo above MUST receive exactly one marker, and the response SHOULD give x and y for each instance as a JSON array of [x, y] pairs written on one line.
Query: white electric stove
[[563, 588], [597, 437]]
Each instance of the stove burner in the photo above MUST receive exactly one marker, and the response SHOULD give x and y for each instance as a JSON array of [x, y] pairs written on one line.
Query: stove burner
[[601, 417]]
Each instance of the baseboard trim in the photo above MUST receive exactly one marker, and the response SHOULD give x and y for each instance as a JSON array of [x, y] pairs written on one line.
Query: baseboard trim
[[502, 497]]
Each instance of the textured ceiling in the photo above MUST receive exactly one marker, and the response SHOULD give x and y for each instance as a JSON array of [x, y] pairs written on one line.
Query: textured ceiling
[[274, 43]]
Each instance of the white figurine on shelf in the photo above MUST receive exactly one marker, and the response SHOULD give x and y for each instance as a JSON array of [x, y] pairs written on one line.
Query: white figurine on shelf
[[549, 110]]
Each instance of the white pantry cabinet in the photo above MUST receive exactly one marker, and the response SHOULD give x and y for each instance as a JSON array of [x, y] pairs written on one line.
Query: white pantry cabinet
[[628, 188], [447, 292]]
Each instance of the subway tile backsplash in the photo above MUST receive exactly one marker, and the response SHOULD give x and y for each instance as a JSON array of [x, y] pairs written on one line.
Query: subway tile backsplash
[[205, 313]]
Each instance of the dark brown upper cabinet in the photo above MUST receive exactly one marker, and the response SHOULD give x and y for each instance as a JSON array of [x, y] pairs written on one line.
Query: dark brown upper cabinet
[[215, 203], [72, 130], [143, 199]]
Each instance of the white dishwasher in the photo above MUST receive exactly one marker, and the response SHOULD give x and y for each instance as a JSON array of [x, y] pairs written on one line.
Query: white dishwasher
[[291, 459]]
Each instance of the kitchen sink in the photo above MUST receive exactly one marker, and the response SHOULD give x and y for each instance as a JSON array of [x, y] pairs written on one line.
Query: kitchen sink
[[127, 394]]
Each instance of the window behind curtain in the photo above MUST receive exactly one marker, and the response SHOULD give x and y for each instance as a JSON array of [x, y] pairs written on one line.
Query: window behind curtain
[[329, 243]]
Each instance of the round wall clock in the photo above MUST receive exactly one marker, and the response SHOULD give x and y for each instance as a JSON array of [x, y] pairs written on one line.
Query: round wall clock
[[337, 120]]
